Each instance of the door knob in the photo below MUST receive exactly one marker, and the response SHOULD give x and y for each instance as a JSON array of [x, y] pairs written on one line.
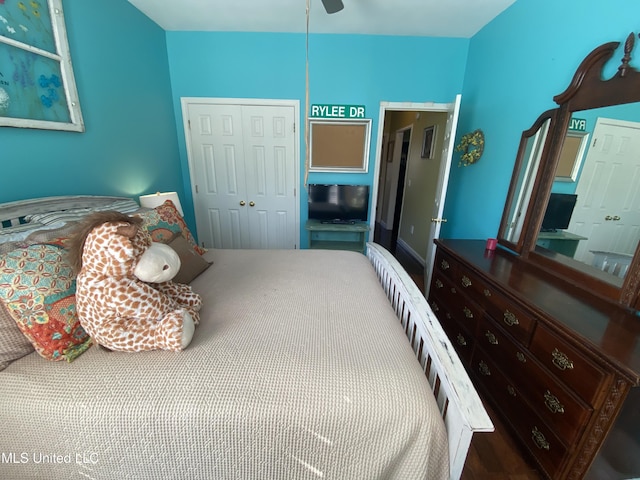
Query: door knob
[[608, 217], [252, 204], [242, 203], [616, 217]]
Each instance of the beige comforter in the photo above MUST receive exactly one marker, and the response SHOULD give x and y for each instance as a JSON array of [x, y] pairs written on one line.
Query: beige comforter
[[298, 370]]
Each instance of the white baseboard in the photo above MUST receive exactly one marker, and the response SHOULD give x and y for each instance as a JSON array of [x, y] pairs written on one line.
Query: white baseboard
[[411, 252]]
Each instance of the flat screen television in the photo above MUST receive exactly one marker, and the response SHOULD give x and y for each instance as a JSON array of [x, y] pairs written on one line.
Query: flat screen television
[[338, 203], [559, 211]]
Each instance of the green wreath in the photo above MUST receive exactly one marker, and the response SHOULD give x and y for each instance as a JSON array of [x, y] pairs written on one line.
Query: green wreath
[[472, 146]]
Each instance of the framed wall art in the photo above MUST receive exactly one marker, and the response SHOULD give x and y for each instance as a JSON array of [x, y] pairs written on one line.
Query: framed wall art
[[37, 86], [428, 140]]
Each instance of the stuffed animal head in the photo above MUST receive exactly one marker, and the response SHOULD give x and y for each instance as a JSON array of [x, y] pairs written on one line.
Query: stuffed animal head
[[114, 244], [158, 264]]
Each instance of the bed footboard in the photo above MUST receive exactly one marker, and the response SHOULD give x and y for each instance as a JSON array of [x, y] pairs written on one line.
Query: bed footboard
[[459, 403]]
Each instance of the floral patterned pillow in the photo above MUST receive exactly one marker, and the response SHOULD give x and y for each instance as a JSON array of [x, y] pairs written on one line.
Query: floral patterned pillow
[[164, 223], [37, 287]]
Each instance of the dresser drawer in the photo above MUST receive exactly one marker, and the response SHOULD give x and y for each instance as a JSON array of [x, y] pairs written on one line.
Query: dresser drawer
[[473, 285], [461, 339], [446, 265], [539, 439], [565, 362], [558, 406], [459, 305], [514, 320]]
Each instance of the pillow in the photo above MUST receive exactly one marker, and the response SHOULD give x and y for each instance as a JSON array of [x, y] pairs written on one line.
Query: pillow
[[191, 264], [52, 236], [75, 214], [164, 223], [13, 344], [37, 287], [18, 232]]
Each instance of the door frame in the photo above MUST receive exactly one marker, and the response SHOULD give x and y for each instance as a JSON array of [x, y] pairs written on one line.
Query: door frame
[[263, 102], [444, 173]]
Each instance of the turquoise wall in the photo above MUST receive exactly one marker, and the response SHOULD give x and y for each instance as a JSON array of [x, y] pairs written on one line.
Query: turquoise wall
[[516, 65], [343, 69], [131, 75], [130, 144]]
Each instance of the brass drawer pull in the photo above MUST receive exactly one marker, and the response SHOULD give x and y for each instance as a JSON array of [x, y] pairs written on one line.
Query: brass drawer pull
[[465, 281], [539, 440], [461, 340], [510, 319], [512, 391], [445, 265], [439, 283], [491, 338], [520, 356], [552, 403], [560, 360], [484, 369], [467, 313]]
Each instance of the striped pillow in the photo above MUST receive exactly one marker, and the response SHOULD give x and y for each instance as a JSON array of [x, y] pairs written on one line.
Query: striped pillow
[[75, 214]]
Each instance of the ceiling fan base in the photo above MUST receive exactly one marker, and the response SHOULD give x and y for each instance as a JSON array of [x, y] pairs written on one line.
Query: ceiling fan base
[[332, 6]]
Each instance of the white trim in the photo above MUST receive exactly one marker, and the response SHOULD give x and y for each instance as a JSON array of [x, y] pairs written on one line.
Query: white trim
[[186, 101], [405, 246], [396, 106]]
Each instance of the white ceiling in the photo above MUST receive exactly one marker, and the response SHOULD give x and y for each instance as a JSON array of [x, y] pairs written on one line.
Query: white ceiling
[[434, 18]]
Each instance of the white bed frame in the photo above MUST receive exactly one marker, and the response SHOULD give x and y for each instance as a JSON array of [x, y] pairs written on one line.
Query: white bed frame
[[459, 403]]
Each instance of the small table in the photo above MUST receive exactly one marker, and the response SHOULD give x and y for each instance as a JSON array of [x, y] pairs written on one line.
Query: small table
[[337, 236]]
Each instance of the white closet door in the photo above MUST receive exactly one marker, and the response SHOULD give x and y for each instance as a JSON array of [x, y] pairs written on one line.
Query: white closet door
[[243, 174]]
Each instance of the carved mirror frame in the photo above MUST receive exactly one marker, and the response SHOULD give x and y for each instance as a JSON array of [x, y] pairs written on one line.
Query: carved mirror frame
[[587, 90]]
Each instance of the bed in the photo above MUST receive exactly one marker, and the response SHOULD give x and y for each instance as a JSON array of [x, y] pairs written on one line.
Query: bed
[[306, 364]]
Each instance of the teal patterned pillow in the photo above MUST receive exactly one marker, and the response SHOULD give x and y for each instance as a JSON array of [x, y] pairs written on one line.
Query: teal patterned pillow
[[164, 223], [37, 287]]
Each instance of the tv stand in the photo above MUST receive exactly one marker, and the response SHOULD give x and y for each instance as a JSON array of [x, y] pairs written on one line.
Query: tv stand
[[337, 236], [561, 241]]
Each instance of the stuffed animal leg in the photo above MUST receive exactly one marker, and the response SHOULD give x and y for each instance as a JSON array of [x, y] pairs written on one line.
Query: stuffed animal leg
[[184, 296], [154, 322]]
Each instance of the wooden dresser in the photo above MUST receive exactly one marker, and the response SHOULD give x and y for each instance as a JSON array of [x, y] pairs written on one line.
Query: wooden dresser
[[559, 366]]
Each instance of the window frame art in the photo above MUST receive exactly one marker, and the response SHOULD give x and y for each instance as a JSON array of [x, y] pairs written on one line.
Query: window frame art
[[37, 85]]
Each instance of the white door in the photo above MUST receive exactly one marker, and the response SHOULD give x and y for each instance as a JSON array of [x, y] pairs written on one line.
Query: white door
[[607, 215], [243, 168], [441, 188]]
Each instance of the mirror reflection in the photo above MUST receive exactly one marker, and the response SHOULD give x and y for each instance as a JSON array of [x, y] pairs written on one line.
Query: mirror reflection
[[596, 218], [531, 150]]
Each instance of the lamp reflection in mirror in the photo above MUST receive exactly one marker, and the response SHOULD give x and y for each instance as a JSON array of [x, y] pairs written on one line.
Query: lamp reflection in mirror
[[158, 198]]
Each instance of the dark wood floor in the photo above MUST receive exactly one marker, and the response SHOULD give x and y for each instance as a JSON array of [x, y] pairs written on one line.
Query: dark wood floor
[[492, 456]]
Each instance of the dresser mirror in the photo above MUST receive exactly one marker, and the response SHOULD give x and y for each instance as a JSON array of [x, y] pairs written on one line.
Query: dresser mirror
[[575, 211], [522, 183]]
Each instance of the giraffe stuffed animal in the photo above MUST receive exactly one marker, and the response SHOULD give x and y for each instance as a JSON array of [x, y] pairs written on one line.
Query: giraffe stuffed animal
[[125, 298]]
